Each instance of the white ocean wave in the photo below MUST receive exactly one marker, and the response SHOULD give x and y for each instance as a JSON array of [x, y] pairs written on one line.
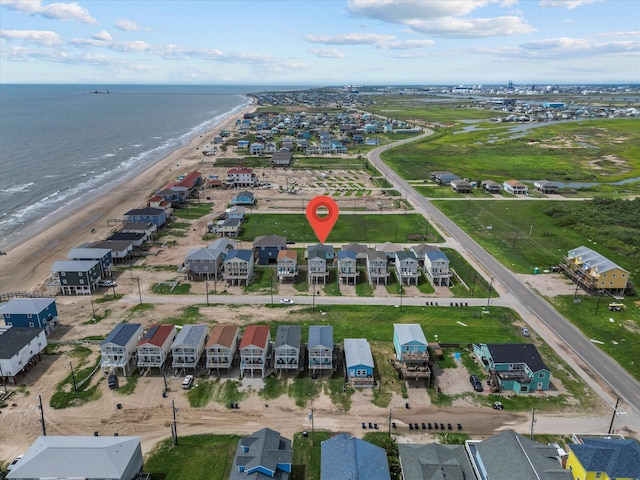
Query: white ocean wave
[[17, 188]]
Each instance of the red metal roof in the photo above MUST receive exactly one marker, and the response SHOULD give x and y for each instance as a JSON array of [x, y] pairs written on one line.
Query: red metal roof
[[189, 180], [256, 335], [157, 335], [222, 335], [287, 254]]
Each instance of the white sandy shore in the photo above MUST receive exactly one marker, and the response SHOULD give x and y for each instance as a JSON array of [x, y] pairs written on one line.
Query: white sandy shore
[[27, 265]]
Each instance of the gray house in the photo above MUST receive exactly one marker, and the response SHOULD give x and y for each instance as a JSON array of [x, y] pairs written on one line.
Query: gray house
[[347, 267], [188, 347], [102, 255], [238, 267], [203, 263], [261, 455], [421, 461], [407, 268], [377, 267], [317, 256], [436, 267], [75, 277], [320, 348], [287, 347], [344, 457]]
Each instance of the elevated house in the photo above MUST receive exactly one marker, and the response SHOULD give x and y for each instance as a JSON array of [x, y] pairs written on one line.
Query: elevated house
[[389, 249], [515, 187], [158, 201], [188, 347], [605, 458], [238, 267], [420, 461], [320, 348], [121, 250], [377, 270], [287, 348], [20, 350], [282, 158], [267, 247], [254, 349], [78, 457], [490, 186], [345, 457], [407, 268], [361, 251], [358, 362], [594, 272], [501, 456], [460, 185], [513, 366], [222, 347], [149, 229], [37, 312], [236, 212], [75, 277], [436, 267], [261, 455], [119, 349], [241, 177], [287, 266], [244, 198], [317, 271], [256, 149], [411, 351], [157, 216], [347, 267], [136, 239], [204, 263], [546, 187], [102, 255], [229, 227], [154, 347], [173, 196], [444, 178]]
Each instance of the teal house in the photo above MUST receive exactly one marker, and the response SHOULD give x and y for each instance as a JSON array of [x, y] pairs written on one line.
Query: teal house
[[515, 366], [408, 338]]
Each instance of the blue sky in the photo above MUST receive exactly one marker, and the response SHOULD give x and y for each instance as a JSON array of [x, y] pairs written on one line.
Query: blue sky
[[332, 42]]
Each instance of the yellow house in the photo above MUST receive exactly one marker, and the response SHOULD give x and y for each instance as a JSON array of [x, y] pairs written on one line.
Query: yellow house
[[604, 459], [594, 271]]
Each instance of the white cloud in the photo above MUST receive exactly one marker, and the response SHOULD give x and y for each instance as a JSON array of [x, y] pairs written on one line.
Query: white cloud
[[129, 25], [407, 44], [568, 4], [55, 11], [45, 38], [103, 36], [350, 39], [327, 53]]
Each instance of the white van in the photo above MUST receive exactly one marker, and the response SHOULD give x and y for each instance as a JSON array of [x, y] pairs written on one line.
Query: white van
[[187, 383]]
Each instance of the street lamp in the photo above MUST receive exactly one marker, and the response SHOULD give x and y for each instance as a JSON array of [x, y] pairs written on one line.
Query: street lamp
[[400, 294], [600, 292], [313, 431], [489, 296]]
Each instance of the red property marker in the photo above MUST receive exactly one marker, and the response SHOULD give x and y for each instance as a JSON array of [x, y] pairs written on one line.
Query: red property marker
[[322, 225]]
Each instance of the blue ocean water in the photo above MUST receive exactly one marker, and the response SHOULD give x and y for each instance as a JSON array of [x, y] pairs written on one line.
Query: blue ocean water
[[59, 143]]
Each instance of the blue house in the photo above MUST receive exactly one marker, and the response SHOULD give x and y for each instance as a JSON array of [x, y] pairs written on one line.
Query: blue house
[[119, 349], [326, 252], [263, 454], [320, 348], [149, 214], [344, 457], [30, 313], [266, 248], [517, 366], [358, 362], [408, 338], [244, 198]]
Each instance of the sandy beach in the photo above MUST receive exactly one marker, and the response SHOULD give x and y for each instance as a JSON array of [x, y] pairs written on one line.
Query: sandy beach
[[27, 265]]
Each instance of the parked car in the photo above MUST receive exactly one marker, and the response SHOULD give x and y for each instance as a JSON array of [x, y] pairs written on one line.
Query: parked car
[[525, 331], [113, 381], [107, 283], [13, 463], [477, 384], [187, 383], [617, 307], [286, 301]]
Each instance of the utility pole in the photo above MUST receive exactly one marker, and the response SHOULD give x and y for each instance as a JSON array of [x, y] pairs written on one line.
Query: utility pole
[[93, 311], [599, 298], [489, 296], [514, 239], [206, 280], [389, 422], [139, 291], [533, 421], [4, 382], [613, 416], [271, 286], [174, 429], [44, 429], [73, 377], [313, 430], [313, 306]]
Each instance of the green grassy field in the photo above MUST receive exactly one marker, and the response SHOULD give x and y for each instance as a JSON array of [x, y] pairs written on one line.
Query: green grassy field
[[349, 228]]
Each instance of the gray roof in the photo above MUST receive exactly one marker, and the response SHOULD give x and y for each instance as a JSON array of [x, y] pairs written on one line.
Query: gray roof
[[347, 254], [25, 306], [321, 336], [357, 352], [517, 353], [510, 452], [344, 457], [14, 338], [617, 458], [202, 254], [376, 255], [436, 255], [122, 334], [266, 448], [231, 222], [356, 247], [406, 255], [270, 241], [79, 457], [147, 211], [223, 244], [434, 461], [289, 335], [87, 253], [73, 265], [320, 250], [408, 333], [190, 336], [245, 255], [421, 249], [592, 259], [113, 245]]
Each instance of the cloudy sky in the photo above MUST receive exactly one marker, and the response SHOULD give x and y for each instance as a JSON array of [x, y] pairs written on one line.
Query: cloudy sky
[[321, 42]]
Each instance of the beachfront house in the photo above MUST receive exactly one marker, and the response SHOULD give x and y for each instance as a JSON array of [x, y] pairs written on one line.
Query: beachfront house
[[263, 454], [377, 267], [75, 277], [157, 216], [436, 267], [320, 348], [222, 346], [287, 266], [515, 187], [102, 255], [149, 229], [345, 457], [407, 267], [347, 267], [287, 347], [30, 313], [119, 349], [154, 347], [358, 362], [121, 250], [20, 349], [254, 349], [517, 367], [188, 347], [238, 267], [267, 247]]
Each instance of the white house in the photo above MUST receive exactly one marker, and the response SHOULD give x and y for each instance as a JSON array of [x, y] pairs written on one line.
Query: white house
[[320, 348], [155, 346], [20, 349], [254, 349], [436, 267], [188, 346], [407, 267], [222, 346], [287, 347], [119, 349]]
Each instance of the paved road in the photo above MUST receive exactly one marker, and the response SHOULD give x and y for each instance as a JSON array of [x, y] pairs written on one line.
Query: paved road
[[525, 301]]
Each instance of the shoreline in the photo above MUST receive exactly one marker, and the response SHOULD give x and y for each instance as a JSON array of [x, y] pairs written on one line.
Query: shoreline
[[27, 263]]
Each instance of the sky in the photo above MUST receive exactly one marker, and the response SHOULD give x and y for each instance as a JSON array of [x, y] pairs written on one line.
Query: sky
[[320, 43]]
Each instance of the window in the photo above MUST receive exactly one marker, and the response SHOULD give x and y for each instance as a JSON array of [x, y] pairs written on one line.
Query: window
[[29, 315], [31, 324]]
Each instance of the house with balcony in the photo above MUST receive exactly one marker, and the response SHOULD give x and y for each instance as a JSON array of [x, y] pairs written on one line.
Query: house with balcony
[[358, 362], [411, 349], [347, 267], [460, 185], [359, 249], [154, 347], [244, 198], [267, 247], [20, 349], [407, 270], [516, 367], [377, 270], [546, 187], [282, 158], [121, 250], [287, 266], [157, 216], [594, 272], [188, 347], [489, 186], [261, 455], [317, 271], [222, 347], [436, 267], [320, 348], [203, 263], [75, 277], [102, 255], [254, 349], [515, 187], [229, 227], [241, 177], [238, 267], [37, 312], [119, 349], [287, 348]]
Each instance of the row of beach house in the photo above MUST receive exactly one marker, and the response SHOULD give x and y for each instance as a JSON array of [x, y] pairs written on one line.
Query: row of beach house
[[514, 187]]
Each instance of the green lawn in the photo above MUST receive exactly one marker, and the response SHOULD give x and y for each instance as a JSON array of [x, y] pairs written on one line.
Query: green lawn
[[307, 455], [372, 228]]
